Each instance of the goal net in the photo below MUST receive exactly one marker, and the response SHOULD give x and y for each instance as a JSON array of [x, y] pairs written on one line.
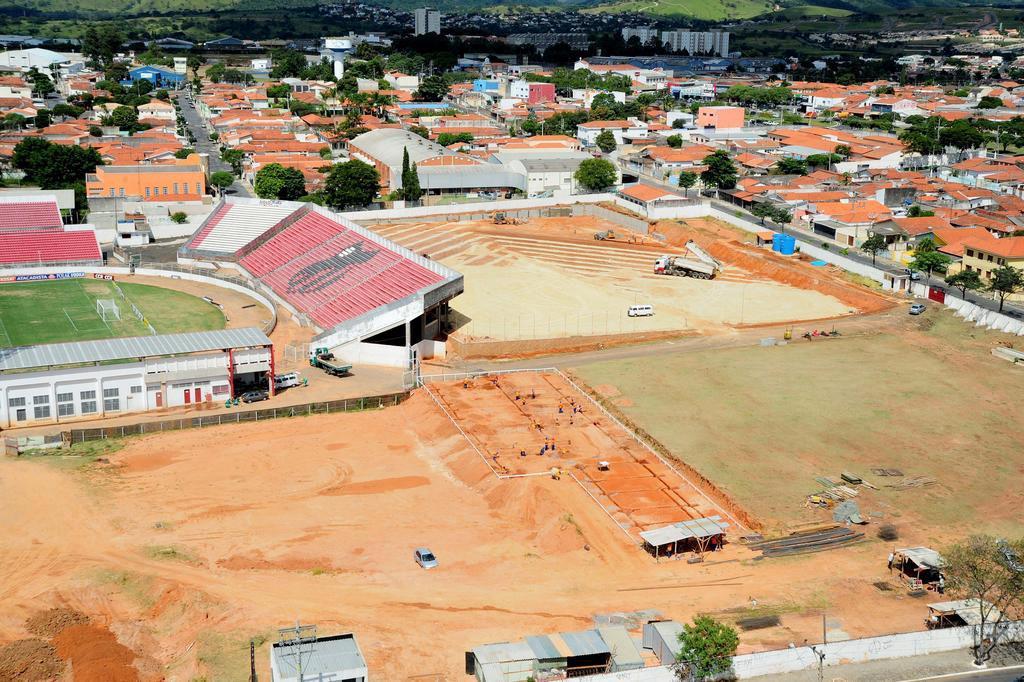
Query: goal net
[[107, 309]]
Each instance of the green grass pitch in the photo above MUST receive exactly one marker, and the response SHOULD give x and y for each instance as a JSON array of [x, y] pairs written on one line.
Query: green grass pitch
[[65, 310]]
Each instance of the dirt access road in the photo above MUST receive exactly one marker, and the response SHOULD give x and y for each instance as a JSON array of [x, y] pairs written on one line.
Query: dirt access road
[[186, 545]]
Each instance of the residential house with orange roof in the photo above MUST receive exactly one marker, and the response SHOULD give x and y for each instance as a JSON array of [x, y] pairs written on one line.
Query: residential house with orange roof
[[172, 180], [984, 255], [849, 223]]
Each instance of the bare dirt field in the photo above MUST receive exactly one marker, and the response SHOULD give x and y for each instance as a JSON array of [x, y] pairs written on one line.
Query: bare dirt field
[[926, 399], [180, 548], [549, 278]]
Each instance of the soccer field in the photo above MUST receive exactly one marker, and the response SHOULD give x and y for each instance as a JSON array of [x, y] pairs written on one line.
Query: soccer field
[[66, 310]]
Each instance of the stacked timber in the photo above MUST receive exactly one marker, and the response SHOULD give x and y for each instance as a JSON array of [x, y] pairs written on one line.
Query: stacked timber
[[817, 539]]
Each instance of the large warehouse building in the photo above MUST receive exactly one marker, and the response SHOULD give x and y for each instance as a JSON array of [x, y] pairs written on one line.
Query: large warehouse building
[[63, 382], [370, 300]]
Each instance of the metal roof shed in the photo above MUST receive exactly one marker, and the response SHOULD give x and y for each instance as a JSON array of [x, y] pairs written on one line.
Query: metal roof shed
[[701, 534], [921, 563], [948, 614], [662, 637], [588, 654], [328, 658], [625, 653], [501, 662]]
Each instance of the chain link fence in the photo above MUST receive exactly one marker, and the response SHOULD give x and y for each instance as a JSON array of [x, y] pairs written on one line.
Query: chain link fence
[[239, 417]]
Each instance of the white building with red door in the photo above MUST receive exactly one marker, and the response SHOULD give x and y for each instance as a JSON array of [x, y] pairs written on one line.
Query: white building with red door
[[67, 382]]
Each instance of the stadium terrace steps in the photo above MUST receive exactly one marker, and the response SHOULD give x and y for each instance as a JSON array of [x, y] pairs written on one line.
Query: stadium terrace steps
[[49, 246], [235, 224], [29, 215], [334, 273]]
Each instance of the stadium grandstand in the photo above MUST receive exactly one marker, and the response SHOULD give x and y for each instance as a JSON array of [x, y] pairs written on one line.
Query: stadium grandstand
[[33, 234], [29, 213], [371, 300]]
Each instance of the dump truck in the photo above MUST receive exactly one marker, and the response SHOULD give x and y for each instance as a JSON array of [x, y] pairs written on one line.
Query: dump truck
[[325, 360], [699, 264]]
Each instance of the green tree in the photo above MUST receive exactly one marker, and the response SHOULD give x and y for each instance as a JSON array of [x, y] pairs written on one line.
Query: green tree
[[101, 43], [763, 211], [326, 153], [842, 150], [687, 179], [184, 153], [989, 102], [421, 131], [125, 118], [596, 174], [605, 141], [1006, 281], [822, 160], [234, 157], [916, 211], [445, 139], [279, 91], [66, 111], [411, 184], [54, 166], [222, 180], [215, 72], [42, 119], [675, 141], [95, 131], [432, 89], [874, 245], [965, 280], [41, 83], [275, 181], [928, 260], [706, 649], [990, 573], [721, 171], [790, 166], [179, 217], [287, 64], [352, 183]]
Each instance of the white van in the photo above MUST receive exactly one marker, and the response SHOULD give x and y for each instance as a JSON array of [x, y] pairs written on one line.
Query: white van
[[287, 380], [640, 311]]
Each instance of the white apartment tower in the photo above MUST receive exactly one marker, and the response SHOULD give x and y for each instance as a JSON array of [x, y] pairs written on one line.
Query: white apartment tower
[[712, 42], [428, 20]]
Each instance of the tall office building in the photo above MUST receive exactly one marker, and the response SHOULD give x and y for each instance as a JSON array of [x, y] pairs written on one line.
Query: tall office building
[[712, 42], [428, 20]]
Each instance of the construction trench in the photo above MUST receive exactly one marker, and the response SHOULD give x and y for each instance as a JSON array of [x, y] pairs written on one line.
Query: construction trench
[[542, 424]]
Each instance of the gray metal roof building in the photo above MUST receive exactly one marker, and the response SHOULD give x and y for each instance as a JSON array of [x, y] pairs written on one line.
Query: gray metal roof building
[[131, 348], [331, 659], [388, 145]]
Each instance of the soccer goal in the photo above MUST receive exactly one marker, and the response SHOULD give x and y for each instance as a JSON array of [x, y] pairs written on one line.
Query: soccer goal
[[107, 309]]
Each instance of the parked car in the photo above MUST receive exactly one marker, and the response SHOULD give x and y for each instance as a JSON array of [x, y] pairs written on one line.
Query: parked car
[[254, 396], [917, 309], [425, 558], [640, 311]]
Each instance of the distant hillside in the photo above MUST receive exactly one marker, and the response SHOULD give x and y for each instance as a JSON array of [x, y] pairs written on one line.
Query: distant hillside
[[706, 10]]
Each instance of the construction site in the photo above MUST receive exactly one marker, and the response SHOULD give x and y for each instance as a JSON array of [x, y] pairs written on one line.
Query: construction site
[[171, 560], [551, 277]]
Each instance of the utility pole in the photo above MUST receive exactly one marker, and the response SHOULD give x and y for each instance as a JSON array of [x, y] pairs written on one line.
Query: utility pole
[[252, 661]]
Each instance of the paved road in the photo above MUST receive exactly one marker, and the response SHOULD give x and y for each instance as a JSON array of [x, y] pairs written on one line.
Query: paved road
[[998, 675], [205, 146]]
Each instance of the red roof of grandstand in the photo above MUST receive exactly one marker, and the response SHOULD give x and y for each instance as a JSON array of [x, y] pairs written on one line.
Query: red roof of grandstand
[[29, 215], [49, 246], [332, 272]]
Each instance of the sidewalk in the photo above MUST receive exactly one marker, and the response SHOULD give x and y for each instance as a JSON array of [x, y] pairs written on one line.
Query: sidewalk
[[897, 670]]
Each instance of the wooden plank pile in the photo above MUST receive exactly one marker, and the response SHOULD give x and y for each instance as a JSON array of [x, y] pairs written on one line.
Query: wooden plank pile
[[813, 539], [912, 482]]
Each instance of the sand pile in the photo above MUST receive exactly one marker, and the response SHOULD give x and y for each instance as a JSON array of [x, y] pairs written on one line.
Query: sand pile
[[29, 659], [49, 623], [95, 654]]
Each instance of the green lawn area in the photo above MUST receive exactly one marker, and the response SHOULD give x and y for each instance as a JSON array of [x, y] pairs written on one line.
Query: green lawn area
[[710, 10], [762, 423], [65, 310]]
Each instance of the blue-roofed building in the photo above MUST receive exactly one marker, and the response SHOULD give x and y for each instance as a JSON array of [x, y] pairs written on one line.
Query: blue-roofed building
[[158, 76], [486, 85]]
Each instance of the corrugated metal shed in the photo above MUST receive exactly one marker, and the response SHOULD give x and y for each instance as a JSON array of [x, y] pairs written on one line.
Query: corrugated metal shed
[[544, 649], [662, 637], [469, 177], [107, 350], [923, 557], [586, 643], [503, 652], [625, 653], [969, 610], [684, 530]]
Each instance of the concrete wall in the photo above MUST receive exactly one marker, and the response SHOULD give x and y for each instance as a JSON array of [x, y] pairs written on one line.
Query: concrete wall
[[981, 317], [455, 212], [781, 661]]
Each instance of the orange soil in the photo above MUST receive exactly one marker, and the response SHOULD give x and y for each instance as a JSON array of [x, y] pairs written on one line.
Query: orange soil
[[255, 509]]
